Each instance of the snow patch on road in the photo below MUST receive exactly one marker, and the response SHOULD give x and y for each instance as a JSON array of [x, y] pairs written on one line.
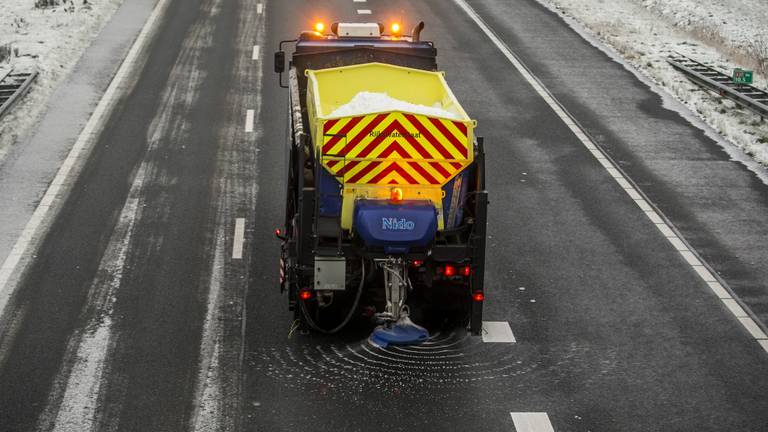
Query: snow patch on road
[[718, 33], [371, 102], [50, 40]]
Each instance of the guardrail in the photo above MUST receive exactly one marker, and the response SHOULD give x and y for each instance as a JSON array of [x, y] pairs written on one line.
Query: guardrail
[[749, 97], [12, 87]]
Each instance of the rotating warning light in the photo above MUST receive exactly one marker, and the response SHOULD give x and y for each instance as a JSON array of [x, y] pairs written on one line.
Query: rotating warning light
[[305, 294], [395, 28], [396, 194], [319, 26]]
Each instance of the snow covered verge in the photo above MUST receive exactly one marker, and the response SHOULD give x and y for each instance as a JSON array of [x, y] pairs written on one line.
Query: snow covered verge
[[50, 39], [722, 33]]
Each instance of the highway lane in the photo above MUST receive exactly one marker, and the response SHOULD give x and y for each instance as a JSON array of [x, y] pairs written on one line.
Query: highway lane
[[614, 329], [132, 316], [134, 281]]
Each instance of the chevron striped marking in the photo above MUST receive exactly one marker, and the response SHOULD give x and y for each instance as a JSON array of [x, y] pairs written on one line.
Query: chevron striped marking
[[395, 148]]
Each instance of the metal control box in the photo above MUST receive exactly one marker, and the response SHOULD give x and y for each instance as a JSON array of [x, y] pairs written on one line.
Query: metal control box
[[330, 273]]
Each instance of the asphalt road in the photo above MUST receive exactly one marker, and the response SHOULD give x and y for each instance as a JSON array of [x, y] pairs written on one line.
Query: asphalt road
[[137, 314]]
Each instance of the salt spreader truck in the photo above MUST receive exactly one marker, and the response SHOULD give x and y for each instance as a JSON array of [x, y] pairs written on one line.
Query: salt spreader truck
[[386, 204]]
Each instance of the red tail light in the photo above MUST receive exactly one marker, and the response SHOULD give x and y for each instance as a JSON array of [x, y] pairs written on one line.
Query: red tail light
[[305, 294], [417, 263], [450, 270], [466, 271], [478, 296]]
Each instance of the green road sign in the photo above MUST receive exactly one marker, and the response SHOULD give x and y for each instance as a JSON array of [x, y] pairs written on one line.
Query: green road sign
[[742, 76]]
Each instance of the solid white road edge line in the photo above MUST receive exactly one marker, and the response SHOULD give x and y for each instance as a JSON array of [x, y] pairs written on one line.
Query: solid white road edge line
[[531, 422], [249, 115], [497, 332], [71, 167], [748, 322], [237, 244], [255, 55]]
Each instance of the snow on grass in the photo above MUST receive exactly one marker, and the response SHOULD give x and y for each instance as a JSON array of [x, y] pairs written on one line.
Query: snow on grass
[[50, 40], [371, 102], [716, 32]]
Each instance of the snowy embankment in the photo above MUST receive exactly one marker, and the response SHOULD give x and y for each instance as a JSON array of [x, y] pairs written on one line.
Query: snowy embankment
[[722, 33], [50, 40]]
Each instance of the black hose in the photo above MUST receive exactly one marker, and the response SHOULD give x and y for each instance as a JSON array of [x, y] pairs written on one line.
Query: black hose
[[351, 313]]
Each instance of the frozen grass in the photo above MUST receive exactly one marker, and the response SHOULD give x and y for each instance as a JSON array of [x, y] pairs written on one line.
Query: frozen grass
[[51, 40], [716, 32]]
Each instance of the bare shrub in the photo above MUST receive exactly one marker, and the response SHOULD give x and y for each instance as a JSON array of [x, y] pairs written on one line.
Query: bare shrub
[[41, 4], [5, 52], [758, 50]]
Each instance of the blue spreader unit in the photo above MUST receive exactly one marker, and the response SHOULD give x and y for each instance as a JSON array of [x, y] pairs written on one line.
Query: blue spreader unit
[[396, 227]]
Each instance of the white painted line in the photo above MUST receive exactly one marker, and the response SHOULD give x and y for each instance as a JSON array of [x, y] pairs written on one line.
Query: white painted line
[[497, 332], [704, 273], [359, 1], [531, 422], [654, 217], [763, 343], [690, 258], [719, 291], [666, 230], [70, 168], [363, 11], [735, 308], [753, 328], [660, 223], [678, 244], [249, 120], [259, 8], [255, 54], [643, 204], [237, 244]]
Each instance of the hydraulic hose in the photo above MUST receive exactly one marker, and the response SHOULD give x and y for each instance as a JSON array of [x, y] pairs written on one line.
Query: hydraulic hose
[[351, 313]]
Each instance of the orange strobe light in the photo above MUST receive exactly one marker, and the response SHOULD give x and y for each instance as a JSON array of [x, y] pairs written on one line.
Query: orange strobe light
[[396, 194], [319, 27], [395, 28]]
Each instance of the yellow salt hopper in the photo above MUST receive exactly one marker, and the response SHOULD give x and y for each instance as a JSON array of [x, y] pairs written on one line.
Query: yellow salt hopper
[[374, 152]]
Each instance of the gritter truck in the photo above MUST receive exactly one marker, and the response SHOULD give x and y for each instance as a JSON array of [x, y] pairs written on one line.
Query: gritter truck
[[386, 207]]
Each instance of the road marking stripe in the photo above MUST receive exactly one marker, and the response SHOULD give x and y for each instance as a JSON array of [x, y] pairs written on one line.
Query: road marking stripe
[[763, 343], [237, 244], [752, 328], [497, 332], [735, 308], [718, 289], [531, 422], [678, 244], [71, 166], [249, 120], [359, 1], [690, 258], [363, 11], [259, 8], [750, 323], [255, 55]]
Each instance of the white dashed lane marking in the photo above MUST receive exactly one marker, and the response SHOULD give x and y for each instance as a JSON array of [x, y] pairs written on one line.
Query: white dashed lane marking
[[259, 8], [237, 243], [255, 54], [363, 11], [249, 120], [669, 233], [497, 332], [532, 422]]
